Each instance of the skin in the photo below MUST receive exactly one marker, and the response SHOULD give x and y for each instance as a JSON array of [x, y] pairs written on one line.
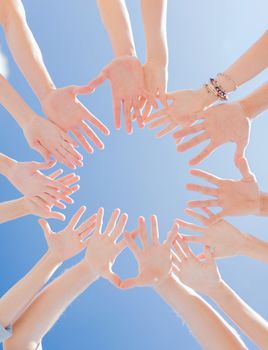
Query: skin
[[204, 277], [186, 103], [234, 197], [101, 250], [23, 206], [225, 239], [61, 105], [155, 265]]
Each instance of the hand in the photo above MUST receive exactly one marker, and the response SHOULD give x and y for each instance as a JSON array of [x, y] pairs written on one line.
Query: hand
[[49, 140], [127, 82], [155, 77], [224, 238], [27, 178], [235, 197], [181, 112], [221, 124], [36, 206], [64, 109], [71, 240], [102, 247], [202, 276], [154, 259]]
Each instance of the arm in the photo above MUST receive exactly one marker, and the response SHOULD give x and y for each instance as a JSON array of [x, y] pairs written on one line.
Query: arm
[[116, 20], [210, 329], [256, 102], [53, 300], [155, 265], [204, 277], [24, 48]]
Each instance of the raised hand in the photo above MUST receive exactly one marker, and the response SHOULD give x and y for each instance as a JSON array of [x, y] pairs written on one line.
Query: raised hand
[[154, 259], [220, 124], [126, 77], [234, 197], [103, 248], [28, 179], [181, 112], [155, 77], [50, 141], [225, 239], [72, 239], [36, 206], [202, 276], [64, 109]]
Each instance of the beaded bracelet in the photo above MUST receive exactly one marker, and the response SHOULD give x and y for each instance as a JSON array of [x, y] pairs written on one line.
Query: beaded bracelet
[[214, 88]]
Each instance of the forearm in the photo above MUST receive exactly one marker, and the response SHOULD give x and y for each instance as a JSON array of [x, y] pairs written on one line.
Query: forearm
[[6, 164], [13, 303], [116, 20], [14, 209], [51, 303], [251, 63], [251, 323], [154, 13], [255, 103], [25, 49], [16, 106], [211, 331], [255, 248]]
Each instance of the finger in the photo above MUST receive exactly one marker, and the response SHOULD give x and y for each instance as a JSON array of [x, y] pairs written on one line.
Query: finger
[[113, 278], [135, 249], [193, 142], [70, 148], [189, 225], [195, 215], [116, 110], [127, 115], [142, 101], [185, 247], [203, 189], [70, 157], [205, 176], [44, 165], [163, 97], [87, 223], [161, 113], [99, 220], [205, 203], [130, 283], [62, 159], [55, 184], [159, 122], [87, 231], [179, 250], [43, 151], [208, 254], [208, 212], [76, 217], [215, 218], [166, 130], [193, 239], [67, 138], [94, 120], [91, 135], [154, 230], [83, 89], [112, 222], [52, 201], [55, 215], [172, 235], [137, 114], [143, 232], [69, 179], [207, 151], [244, 168], [147, 110], [56, 173], [120, 227], [77, 133], [188, 130], [93, 84], [40, 203], [45, 227]]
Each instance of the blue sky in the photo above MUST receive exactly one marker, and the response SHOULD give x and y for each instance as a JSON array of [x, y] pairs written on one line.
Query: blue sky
[[138, 173]]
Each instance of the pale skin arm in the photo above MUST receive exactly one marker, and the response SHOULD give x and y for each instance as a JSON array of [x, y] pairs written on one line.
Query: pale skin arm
[[204, 277], [155, 265], [116, 20], [24, 48], [102, 250]]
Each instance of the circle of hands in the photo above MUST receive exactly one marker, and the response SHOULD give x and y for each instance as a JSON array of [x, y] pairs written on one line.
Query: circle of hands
[[136, 90]]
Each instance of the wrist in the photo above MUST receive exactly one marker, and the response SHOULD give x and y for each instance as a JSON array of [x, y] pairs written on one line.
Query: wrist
[[245, 106], [88, 271], [214, 291], [7, 166], [263, 204], [207, 98], [52, 259]]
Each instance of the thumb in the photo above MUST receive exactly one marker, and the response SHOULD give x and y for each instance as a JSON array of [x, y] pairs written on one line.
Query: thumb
[[45, 165], [84, 89], [45, 227], [163, 98], [240, 152], [97, 81], [129, 283]]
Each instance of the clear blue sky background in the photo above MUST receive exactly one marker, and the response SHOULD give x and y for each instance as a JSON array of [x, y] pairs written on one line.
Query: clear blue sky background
[[137, 173]]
